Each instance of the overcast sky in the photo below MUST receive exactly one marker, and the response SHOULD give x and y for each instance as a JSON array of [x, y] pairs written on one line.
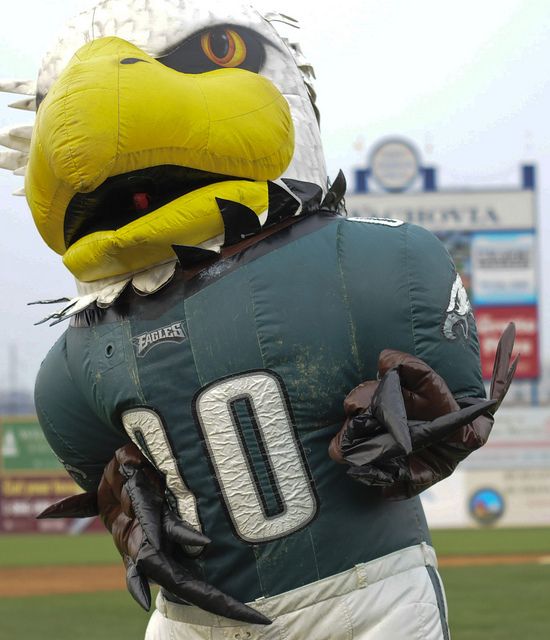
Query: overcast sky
[[466, 82]]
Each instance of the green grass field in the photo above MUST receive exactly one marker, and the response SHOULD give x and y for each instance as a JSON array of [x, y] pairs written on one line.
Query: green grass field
[[80, 616], [494, 603], [491, 541]]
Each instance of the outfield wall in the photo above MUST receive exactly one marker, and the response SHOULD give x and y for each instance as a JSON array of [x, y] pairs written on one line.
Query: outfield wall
[[504, 484]]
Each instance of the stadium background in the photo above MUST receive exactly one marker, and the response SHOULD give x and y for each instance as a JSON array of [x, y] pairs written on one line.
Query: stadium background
[[490, 522]]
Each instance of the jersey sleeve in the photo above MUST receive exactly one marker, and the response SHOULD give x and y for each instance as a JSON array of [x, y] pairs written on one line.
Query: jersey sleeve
[[79, 438], [404, 293], [442, 319]]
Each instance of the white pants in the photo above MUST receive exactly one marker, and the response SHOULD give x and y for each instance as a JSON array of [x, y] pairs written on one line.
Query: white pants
[[396, 597]]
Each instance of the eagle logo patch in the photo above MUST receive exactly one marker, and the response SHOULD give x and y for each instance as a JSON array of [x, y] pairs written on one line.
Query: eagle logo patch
[[146, 341], [458, 313]]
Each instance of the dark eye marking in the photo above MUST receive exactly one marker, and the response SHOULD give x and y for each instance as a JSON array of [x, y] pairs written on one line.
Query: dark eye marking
[[133, 61], [189, 55]]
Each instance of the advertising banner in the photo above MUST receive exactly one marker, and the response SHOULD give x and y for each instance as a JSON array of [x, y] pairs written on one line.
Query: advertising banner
[[24, 447], [450, 210], [520, 439], [508, 498], [491, 322], [489, 497], [503, 269], [23, 497], [31, 479]]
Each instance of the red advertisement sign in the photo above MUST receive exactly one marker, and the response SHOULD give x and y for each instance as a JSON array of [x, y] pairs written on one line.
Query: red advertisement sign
[[23, 497], [491, 322]]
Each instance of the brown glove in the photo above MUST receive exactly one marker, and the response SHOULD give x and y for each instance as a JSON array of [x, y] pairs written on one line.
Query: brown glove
[[148, 535], [406, 432]]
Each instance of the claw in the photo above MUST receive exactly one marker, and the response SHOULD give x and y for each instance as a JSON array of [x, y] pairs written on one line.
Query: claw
[[161, 569], [137, 584], [82, 505], [508, 381], [180, 532], [503, 372], [503, 356], [426, 433], [388, 408], [147, 503], [211, 599], [380, 446]]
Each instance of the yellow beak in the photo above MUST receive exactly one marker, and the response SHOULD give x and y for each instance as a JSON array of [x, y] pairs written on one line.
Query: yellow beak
[[114, 110]]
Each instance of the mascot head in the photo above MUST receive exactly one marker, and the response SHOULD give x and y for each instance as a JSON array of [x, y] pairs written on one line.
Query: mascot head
[[165, 123]]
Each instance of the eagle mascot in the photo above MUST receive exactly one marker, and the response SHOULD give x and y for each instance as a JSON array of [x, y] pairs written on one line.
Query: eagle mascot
[[253, 389]]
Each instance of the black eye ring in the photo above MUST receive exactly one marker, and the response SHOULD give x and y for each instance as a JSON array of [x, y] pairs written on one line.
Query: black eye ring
[[189, 56]]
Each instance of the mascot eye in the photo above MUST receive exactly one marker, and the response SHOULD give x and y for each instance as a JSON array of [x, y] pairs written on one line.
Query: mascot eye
[[224, 47]]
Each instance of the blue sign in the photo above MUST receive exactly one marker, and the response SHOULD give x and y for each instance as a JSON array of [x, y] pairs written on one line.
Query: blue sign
[[504, 268], [487, 506]]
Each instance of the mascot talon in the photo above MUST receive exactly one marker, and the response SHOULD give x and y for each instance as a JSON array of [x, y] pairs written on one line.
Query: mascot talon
[[407, 431], [137, 584], [130, 501], [225, 305]]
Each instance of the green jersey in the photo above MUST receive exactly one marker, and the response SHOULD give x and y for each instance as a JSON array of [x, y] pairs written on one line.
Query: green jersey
[[232, 383]]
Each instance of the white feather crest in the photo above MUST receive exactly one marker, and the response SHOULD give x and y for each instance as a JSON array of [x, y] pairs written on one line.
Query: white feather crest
[[28, 104], [12, 160], [23, 87], [17, 138]]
